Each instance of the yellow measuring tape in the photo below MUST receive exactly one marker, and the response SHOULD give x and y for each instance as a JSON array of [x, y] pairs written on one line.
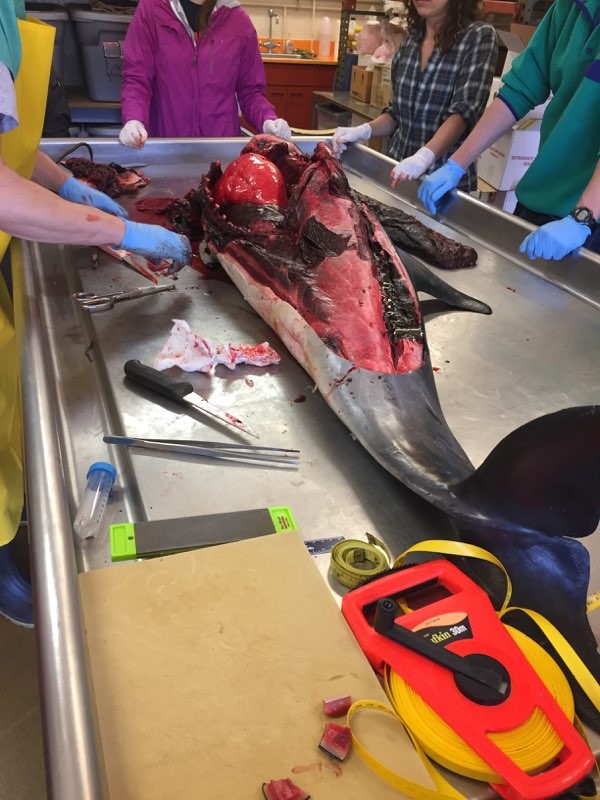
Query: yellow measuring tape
[[353, 561], [532, 746], [593, 601]]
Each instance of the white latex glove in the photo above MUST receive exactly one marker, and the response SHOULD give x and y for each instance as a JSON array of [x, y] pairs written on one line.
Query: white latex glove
[[133, 134], [409, 169], [344, 136], [277, 127]]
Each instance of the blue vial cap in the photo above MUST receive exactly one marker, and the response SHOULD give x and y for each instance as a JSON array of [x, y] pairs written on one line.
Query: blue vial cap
[[102, 466]]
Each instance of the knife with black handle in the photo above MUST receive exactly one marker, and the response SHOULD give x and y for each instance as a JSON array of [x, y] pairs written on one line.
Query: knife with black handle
[[181, 392]]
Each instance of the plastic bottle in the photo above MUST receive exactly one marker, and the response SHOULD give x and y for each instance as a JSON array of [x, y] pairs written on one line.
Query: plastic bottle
[[100, 479], [289, 45], [325, 38]]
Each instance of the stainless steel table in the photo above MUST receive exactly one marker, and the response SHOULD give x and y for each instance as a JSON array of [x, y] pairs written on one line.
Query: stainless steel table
[[538, 352]]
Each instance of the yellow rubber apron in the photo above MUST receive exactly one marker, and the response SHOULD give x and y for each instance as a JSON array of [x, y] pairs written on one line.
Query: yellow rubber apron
[[19, 149]]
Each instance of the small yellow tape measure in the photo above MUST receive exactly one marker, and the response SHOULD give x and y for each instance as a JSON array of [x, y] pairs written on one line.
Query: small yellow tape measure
[[354, 561]]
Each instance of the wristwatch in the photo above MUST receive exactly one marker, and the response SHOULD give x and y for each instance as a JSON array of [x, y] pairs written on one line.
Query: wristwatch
[[584, 216]]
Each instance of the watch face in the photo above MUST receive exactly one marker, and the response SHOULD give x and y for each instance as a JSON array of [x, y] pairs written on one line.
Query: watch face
[[585, 216], [582, 214]]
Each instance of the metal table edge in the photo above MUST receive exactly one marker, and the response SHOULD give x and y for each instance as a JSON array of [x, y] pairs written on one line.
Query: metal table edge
[[71, 746]]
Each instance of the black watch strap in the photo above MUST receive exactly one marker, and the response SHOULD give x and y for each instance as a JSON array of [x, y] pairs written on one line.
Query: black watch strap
[[584, 216]]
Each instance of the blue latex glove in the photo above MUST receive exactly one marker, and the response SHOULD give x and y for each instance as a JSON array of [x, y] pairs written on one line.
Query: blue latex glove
[[79, 192], [555, 239], [155, 243], [439, 183]]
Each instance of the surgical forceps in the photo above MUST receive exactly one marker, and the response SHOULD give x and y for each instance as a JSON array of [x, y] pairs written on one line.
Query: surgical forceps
[[220, 450]]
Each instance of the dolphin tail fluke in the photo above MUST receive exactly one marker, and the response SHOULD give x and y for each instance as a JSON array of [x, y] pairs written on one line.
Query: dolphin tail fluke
[[544, 476]]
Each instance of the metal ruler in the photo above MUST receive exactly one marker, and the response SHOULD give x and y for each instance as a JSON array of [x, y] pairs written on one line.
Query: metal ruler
[[317, 547]]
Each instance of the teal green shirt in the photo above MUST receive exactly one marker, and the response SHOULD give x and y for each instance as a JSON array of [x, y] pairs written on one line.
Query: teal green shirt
[[562, 58], [10, 40]]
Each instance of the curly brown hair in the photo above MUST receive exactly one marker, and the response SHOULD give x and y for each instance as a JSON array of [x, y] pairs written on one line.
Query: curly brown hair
[[459, 14]]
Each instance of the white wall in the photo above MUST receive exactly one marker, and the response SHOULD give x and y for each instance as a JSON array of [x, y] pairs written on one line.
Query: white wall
[[301, 19]]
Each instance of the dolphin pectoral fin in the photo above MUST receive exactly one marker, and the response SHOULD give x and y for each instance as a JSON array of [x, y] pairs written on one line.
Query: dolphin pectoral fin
[[424, 280], [544, 476]]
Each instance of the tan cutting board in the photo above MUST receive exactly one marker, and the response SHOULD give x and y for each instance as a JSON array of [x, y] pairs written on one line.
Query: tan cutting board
[[209, 670]]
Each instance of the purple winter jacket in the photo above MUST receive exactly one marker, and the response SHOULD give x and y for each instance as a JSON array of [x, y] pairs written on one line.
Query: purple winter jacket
[[177, 88]]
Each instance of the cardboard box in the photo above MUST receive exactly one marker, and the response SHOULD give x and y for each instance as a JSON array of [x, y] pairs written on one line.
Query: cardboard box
[[514, 45], [524, 32], [494, 89], [381, 96], [515, 42], [504, 163], [535, 113], [506, 201], [381, 86], [360, 84]]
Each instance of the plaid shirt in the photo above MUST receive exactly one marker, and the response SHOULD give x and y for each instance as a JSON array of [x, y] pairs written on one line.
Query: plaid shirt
[[456, 82]]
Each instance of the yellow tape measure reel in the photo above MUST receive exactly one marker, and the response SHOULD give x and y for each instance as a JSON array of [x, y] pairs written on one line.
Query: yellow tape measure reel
[[354, 561], [532, 745], [535, 744]]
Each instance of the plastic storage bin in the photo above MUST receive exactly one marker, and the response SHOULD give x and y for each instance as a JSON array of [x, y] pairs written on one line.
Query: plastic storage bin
[[58, 17], [100, 35], [332, 116]]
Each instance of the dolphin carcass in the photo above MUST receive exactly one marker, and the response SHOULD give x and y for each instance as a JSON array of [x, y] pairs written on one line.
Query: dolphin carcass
[[318, 267]]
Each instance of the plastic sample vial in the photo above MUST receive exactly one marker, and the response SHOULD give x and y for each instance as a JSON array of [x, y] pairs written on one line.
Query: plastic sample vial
[[100, 479]]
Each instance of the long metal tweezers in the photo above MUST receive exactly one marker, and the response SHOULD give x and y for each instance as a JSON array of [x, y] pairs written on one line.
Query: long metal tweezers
[[227, 452]]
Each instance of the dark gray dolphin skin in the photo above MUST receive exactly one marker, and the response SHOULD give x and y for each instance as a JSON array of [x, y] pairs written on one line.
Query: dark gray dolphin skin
[[535, 494], [424, 280]]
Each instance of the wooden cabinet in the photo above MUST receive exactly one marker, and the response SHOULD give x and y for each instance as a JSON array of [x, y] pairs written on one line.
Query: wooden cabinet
[[290, 88]]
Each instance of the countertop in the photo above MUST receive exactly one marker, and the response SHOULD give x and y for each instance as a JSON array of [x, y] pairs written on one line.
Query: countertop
[[345, 100], [87, 111], [323, 62]]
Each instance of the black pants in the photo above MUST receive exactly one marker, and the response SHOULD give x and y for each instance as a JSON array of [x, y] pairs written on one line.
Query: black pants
[[593, 243]]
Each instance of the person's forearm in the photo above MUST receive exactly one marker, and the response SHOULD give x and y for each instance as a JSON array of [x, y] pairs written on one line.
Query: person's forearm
[[446, 135], [496, 120], [32, 212], [590, 197], [47, 173], [383, 125]]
